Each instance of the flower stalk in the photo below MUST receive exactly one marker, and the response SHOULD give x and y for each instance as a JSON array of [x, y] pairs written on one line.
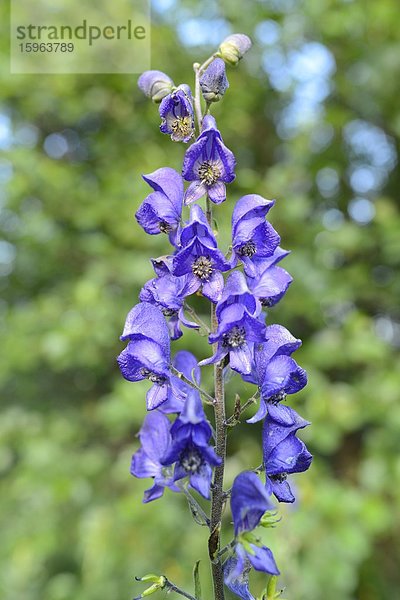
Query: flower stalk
[[180, 449]]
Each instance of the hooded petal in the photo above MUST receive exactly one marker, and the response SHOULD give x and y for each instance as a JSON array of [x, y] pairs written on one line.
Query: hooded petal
[[289, 456], [154, 435], [145, 321], [170, 183], [282, 374], [271, 285], [249, 501], [236, 291], [249, 207]]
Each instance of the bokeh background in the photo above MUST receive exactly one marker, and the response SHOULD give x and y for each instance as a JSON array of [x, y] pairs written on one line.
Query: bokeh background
[[313, 117]]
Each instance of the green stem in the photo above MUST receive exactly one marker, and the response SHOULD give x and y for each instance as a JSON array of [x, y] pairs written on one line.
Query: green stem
[[171, 587], [233, 420], [208, 399], [197, 98], [217, 496]]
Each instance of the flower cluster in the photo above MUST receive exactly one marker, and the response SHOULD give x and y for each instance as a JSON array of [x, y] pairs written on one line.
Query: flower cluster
[[179, 448]]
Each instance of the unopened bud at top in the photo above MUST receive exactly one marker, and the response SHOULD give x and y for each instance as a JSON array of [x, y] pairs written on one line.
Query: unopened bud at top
[[155, 85], [234, 47], [213, 82]]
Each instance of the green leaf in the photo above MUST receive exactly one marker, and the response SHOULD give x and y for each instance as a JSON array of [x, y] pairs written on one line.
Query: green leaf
[[197, 584]]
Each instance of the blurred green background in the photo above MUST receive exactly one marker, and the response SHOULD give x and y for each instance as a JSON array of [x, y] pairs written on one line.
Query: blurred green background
[[313, 117]]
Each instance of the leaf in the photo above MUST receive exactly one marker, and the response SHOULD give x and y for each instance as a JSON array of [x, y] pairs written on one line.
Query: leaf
[[197, 584]]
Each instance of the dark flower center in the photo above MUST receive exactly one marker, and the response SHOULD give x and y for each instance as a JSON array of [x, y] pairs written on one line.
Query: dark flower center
[[182, 127], [235, 338], [276, 398], [279, 477], [202, 267], [209, 173], [191, 460], [266, 301], [165, 227], [248, 249], [153, 377], [168, 312]]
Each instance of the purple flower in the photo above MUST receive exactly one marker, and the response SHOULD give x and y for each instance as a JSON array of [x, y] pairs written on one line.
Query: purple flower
[[236, 577], [147, 354], [155, 85], [250, 499], [283, 452], [274, 371], [208, 164], [236, 291], [269, 282], [213, 82], [168, 293], [186, 363], [252, 236], [200, 257], [155, 439], [161, 211], [190, 450], [176, 112], [234, 47], [238, 326]]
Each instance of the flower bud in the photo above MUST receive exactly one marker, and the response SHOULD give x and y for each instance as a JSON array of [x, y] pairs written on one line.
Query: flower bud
[[155, 85], [158, 581], [213, 82], [234, 47]]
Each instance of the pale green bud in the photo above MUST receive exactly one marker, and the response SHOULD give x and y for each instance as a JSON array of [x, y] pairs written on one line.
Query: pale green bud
[[234, 47]]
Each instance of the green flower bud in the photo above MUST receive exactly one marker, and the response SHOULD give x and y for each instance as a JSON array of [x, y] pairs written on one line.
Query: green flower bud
[[234, 47], [155, 85]]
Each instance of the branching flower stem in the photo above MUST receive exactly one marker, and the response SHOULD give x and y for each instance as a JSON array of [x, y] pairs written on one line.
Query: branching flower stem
[[207, 398]]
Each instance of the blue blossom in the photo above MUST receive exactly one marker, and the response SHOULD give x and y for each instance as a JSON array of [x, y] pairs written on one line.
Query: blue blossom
[[269, 282], [186, 363], [236, 291], [238, 329], [213, 82], [274, 371], [177, 116], [147, 355], [168, 293], [283, 452], [250, 499], [161, 211], [234, 47], [252, 236], [208, 164], [199, 257], [236, 576], [155, 441], [190, 449], [155, 85]]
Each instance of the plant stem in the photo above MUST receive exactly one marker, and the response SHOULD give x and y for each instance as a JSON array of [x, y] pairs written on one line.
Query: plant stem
[[197, 100], [171, 587], [217, 496], [208, 399]]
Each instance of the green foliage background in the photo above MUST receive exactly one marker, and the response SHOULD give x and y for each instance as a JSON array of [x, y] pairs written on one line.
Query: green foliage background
[[72, 260]]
